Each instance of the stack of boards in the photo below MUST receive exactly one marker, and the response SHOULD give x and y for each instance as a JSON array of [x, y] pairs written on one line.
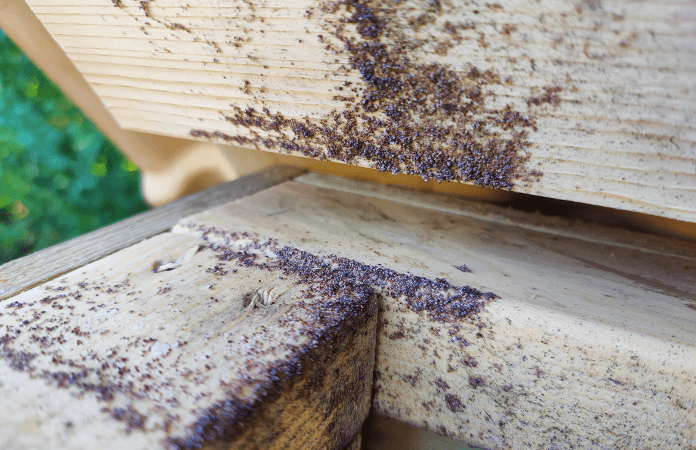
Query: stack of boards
[[280, 319]]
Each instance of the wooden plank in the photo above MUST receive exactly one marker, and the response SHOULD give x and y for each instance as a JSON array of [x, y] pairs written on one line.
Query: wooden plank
[[22, 26], [589, 342], [495, 214], [571, 210], [171, 167], [183, 167], [52, 262], [355, 444], [607, 87], [213, 348]]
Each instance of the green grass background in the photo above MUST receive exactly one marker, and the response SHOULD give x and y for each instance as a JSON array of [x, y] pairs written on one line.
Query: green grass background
[[59, 176]]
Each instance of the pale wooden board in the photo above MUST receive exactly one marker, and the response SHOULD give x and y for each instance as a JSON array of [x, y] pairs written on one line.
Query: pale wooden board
[[26, 31], [486, 211], [623, 135], [117, 356], [54, 261], [591, 343]]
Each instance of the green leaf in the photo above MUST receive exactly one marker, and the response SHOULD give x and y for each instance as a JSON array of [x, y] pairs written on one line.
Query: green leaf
[[59, 177], [12, 187]]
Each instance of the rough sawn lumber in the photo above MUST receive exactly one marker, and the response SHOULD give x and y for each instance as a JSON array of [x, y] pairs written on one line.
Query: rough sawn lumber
[[162, 345], [52, 262], [591, 342], [600, 96], [500, 329]]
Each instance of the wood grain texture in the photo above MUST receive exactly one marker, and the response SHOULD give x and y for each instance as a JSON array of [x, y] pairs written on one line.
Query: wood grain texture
[[621, 132], [52, 262], [590, 344], [21, 25], [170, 167], [485, 211], [117, 355]]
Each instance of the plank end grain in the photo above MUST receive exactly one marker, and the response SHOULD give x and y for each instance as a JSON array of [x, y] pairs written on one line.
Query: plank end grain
[[166, 345]]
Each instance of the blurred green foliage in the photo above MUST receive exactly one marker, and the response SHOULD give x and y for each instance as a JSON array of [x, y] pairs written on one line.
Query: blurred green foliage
[[59, 177]]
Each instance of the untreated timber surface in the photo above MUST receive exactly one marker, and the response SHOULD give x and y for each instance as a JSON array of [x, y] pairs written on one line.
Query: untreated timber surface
[[256, 323], [586, 342], [590, 101], [21, 25], [173, 344], [54, 261]]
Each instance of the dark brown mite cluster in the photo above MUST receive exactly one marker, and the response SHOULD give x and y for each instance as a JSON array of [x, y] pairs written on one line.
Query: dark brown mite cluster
[[47, 337], [145, 6], [454, 403], [328, 276], [340, 316], [131, 417], [409, 117], [437, 298], [549, 96]]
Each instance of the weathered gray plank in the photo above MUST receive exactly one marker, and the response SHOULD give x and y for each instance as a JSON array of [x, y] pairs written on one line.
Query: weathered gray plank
[[52, 262]]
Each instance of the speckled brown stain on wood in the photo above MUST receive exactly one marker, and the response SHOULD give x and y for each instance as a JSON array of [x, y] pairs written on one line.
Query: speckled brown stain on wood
[[216, 345], [405, 116], [337, 307], [591, 94]]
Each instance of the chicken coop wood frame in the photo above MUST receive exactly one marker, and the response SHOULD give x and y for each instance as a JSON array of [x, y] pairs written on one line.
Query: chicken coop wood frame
[[281, 318]]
